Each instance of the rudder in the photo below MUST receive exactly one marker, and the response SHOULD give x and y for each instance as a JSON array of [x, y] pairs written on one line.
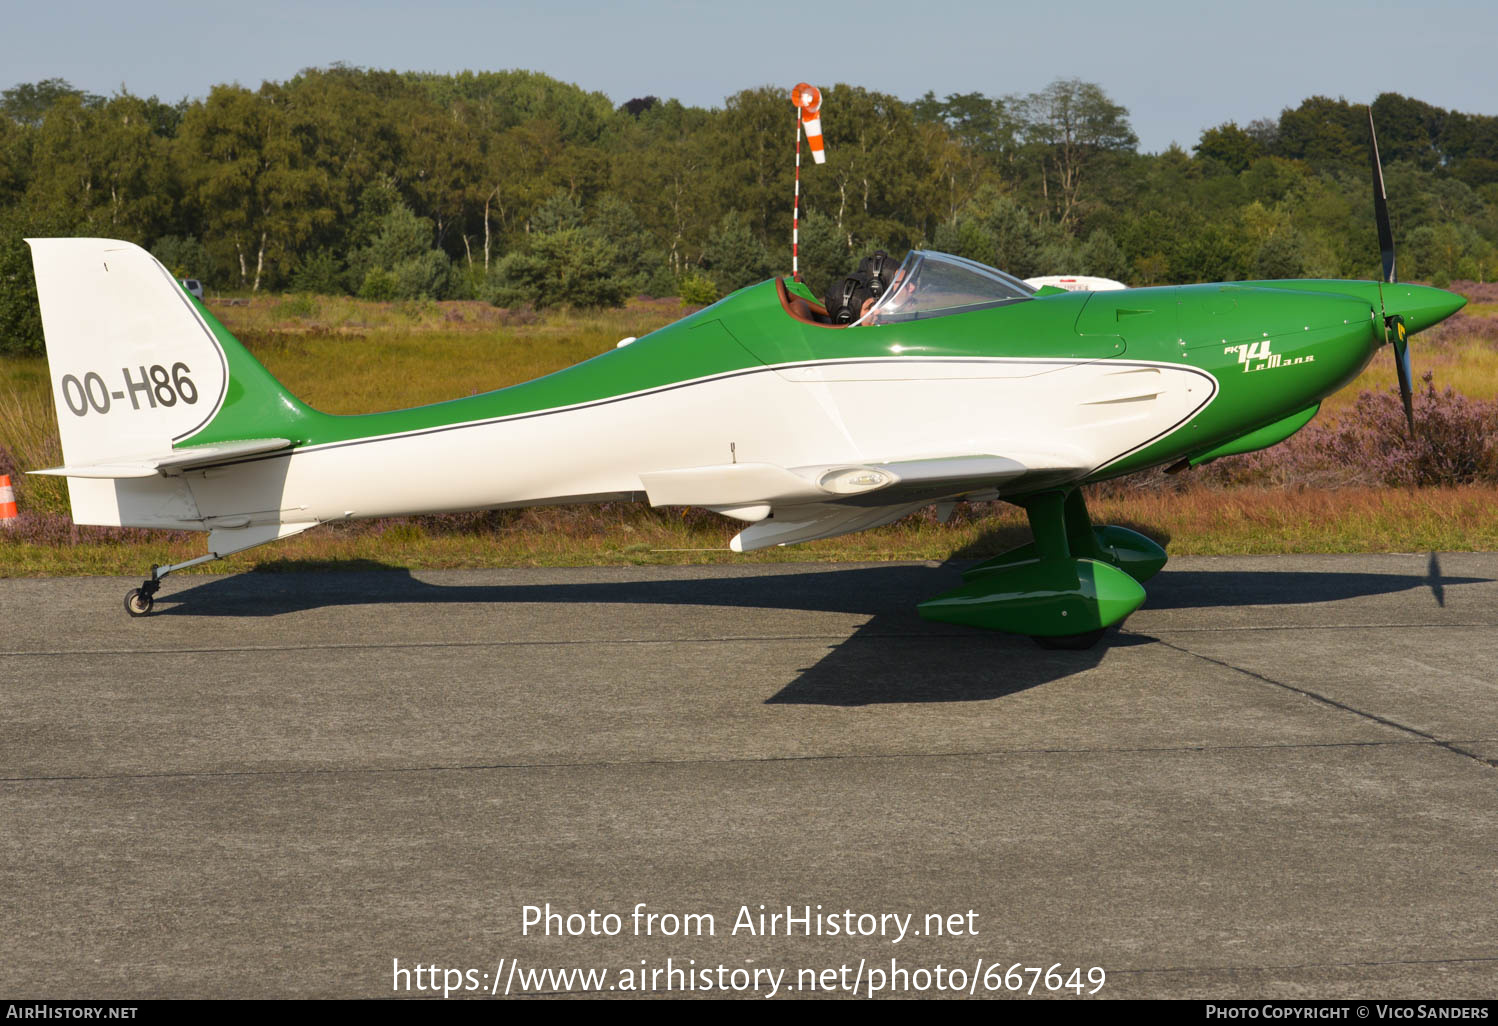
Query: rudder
[[141, 374]]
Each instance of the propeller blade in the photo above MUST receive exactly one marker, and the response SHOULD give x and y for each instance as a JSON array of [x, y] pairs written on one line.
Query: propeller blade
[[1381, 208], [1394, 329], [1395, 325]]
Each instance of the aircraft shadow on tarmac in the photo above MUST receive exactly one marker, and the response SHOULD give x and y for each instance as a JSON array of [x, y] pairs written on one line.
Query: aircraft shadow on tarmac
[[893, 657]]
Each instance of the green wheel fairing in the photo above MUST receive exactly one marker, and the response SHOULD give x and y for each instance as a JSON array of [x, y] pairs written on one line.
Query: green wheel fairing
[[1073, 579], [1050, 598]]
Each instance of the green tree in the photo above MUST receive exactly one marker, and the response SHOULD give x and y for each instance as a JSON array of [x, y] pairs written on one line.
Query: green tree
[[1279, 256], [319, 273], [1271, 179], [642, 266], [983, 125], [519, 172], [497, 100], [107, 167], [561, 211], [28, 103], [1069, 126], [399, 262], [350, 122], [1469, 135], [1103, 257], [16, 144], [572, 267], [250, 171], [442, 167], [995, 229], [734, 256], [1324, 132], [20, 317], [184, 257], [663, 172], [1230, 146], [1408, 130], [824, 253]]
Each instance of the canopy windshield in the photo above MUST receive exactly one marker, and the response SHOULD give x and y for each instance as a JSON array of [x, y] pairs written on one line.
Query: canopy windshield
[[931, 284]]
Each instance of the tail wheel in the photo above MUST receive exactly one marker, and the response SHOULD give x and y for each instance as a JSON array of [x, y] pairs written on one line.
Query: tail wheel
[[138, 602]]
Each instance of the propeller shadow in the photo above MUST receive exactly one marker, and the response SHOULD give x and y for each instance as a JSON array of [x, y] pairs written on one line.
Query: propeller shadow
[[1199, 589]]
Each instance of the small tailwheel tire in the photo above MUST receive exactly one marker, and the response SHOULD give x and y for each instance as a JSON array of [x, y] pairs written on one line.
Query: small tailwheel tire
[[138, 602], [1071, 642]]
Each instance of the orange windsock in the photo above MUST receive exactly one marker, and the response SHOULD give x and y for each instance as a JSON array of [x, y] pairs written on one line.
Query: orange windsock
[[7, 502], [809, 99]]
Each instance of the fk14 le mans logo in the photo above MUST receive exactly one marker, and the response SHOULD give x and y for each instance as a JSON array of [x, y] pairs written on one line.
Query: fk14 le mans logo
[[1255, 356]]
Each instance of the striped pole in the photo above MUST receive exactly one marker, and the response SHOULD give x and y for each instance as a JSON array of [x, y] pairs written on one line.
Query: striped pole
[[8, 514], [796, 210]]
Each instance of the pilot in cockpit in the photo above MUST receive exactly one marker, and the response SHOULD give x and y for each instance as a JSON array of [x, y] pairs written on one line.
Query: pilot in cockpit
[[850, 298], [926, 284]]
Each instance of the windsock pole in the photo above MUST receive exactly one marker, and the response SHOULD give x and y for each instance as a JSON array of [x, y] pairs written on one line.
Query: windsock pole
[[796, 210], [8, 515]]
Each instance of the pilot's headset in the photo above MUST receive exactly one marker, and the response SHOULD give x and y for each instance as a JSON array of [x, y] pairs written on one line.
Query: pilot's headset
[[845, 299], [879, 269]]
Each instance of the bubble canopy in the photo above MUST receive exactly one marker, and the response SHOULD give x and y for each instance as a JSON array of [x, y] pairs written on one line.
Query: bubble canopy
[[932, 284]]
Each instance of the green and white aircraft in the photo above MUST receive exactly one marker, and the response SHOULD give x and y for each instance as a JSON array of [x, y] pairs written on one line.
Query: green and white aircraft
[[962, 383]]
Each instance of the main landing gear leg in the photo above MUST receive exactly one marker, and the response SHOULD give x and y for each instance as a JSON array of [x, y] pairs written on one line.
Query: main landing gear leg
[[138, 601], [1063, 589], [1063, 532]]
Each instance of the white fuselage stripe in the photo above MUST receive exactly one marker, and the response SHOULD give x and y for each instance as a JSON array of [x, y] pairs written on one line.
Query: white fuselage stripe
[[723, 376], [1078, 415]]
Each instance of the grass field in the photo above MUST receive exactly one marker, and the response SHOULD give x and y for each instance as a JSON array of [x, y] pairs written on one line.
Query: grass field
[[1231, 522], [350, 356]]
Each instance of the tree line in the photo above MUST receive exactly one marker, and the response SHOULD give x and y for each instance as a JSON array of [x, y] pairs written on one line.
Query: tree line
[[513, 187]]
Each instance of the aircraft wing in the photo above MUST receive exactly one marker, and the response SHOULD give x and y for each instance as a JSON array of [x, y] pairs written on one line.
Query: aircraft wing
[[786, 505], [810, 521], [187, 458]]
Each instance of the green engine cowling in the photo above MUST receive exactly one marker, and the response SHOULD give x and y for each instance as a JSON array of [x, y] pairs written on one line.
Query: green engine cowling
[[1051, 598]]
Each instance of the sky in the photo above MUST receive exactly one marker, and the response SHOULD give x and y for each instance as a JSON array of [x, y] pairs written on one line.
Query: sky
[[1178, 67]]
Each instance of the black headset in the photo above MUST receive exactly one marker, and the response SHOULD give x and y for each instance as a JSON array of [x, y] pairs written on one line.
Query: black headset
[[876, 272], [845, 308]]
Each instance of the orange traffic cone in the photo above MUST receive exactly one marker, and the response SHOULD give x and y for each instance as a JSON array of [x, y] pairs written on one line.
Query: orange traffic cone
[[8, 514]]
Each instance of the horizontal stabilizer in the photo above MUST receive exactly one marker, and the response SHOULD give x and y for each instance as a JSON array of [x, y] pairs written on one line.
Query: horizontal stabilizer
[[189, 458]]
